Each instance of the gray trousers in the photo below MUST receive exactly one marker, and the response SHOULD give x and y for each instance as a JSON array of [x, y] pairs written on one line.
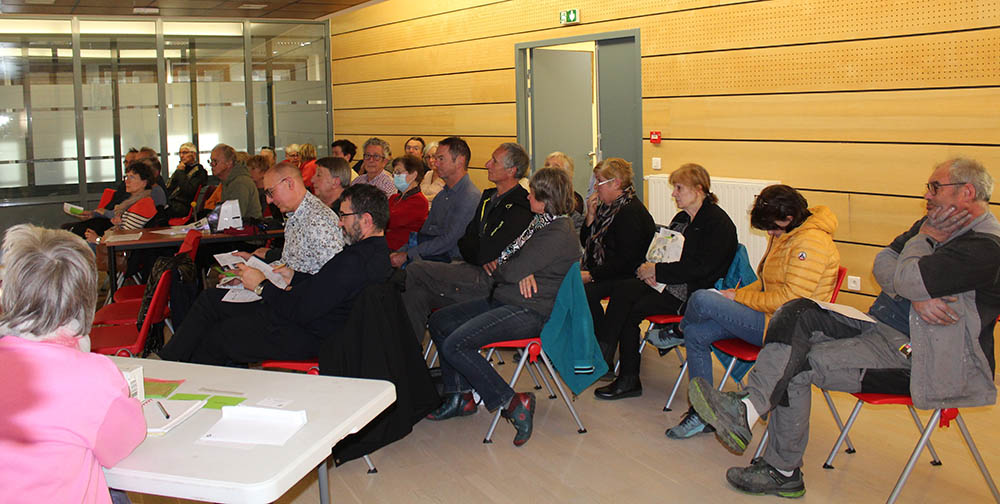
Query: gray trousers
[[838, 350], [433, 285]]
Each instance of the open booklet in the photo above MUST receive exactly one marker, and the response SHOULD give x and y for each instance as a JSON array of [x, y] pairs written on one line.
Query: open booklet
[[665, 247], [72, 209], [238, 294], [847, 311], [165, 414]]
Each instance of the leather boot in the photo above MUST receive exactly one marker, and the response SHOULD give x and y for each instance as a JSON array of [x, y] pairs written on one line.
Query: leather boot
[[458, 404], [622, 387]]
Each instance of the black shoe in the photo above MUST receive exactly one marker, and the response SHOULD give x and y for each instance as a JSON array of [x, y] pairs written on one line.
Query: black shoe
[[609, 376], [624, 386], [762, 478], [454, 405]]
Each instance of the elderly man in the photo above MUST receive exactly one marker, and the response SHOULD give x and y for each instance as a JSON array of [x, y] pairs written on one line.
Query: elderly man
[[502, 215], [312, 228], [454, 208], [377, 155], [236, 181], [292, 323], [333, 175], [932, 337], [187, 179]]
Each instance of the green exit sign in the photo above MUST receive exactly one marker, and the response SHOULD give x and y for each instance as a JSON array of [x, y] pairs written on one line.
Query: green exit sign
[[569, 16]]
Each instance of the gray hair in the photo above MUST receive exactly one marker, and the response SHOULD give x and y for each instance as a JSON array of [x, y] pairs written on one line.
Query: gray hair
[[972, 172], [228, 153], [386, 151], [515, 157], [50, 282], [553, 187], [430, 147]]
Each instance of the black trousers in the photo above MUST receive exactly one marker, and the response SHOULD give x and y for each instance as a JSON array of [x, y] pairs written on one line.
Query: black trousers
[[220, 333], [631, 301]]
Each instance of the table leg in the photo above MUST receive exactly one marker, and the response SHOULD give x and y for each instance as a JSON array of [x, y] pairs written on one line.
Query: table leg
[[112, 273], [323, 475]]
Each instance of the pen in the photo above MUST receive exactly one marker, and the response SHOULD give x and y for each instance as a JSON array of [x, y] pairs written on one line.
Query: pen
[[163, 410]]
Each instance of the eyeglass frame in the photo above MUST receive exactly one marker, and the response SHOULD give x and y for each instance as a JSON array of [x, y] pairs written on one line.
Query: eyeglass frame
[[935, 186], [269, 192], [377, 157]]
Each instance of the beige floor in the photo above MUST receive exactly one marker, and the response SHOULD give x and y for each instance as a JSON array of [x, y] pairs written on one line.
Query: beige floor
[[624, 457]]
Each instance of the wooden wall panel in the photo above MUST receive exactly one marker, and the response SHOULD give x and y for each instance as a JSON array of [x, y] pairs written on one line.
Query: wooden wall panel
[[859, 301], [935, 116], [467, 57], [877, 168], [858, 259], [463, 120], [480, 87], [482, 147], [382, 13]]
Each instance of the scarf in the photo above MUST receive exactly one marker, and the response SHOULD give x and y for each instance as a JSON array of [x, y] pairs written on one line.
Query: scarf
[[605, 215], [122, 207], [66, 335], [538, 222]]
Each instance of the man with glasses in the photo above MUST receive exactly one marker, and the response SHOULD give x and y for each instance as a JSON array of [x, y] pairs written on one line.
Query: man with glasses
[[291, 323], [930, 335], [182, 188], [377, 155], [236, 181], [312, 229]]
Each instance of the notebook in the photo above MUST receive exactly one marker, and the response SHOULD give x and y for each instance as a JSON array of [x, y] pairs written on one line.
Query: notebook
[[252, 425], [157, 412]]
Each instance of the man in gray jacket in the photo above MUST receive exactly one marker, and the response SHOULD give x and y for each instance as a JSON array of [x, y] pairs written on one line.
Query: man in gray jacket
[[236, 181], [932, 335]]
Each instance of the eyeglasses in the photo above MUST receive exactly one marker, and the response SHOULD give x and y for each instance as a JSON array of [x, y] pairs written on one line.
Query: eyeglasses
[[270, 191], [377, 157], [602, 183], [933, 187], [345, 214]]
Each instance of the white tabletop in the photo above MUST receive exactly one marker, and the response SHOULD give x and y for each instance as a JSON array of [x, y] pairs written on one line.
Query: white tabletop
[[178, 465]]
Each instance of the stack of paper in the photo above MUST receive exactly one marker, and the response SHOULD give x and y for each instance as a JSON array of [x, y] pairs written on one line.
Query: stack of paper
[[165, 414], [237, 294], [119, 237], [251, 425]]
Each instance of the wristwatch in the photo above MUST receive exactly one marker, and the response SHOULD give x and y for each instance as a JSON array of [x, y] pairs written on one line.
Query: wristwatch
[[259, 289]]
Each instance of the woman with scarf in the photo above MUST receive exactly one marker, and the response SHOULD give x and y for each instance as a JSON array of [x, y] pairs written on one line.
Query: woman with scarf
[[138, 208], [615, 236], [525, 280]]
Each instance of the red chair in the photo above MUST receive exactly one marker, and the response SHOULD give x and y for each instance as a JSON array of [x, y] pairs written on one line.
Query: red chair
[[531, 349], [180, 221], [940, 416], [189, 247], [126, 340]]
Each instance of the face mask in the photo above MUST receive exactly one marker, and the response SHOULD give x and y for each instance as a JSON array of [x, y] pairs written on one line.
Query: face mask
[[400, 180]]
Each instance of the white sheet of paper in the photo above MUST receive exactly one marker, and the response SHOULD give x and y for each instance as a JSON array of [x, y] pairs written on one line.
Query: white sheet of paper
[[250, 424], [228, 260], [240, 295], [123, 237], [72, 209], [847, 311], [174, 231], [274, 402], [268, 270]]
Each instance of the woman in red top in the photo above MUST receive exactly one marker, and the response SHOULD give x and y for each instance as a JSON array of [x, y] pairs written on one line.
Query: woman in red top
[[408, 208], [307, 164]]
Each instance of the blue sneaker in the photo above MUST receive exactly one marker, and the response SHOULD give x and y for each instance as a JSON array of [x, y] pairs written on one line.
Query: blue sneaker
[[690, 425], [665, 338]]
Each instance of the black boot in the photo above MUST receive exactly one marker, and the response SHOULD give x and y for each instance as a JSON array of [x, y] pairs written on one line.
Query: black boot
[[624, 386], [459, 404]]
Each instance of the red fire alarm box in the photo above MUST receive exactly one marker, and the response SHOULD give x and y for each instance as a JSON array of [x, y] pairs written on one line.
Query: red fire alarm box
[[654, 137]]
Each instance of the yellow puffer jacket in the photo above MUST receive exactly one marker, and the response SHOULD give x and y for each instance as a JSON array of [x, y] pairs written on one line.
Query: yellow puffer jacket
[[800, 264]]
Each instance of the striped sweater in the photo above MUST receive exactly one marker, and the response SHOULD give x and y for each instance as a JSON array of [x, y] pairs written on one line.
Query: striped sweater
[[138, 214]]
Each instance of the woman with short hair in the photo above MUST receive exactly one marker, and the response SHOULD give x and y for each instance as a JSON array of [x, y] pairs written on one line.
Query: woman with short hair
[[409, 207], [307, 164], [138, 208], [65, 413], [432, 182], [525, 280]]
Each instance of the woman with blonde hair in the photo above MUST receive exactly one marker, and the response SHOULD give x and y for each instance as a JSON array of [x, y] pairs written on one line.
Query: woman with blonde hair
[[432, 182], [307, 164]]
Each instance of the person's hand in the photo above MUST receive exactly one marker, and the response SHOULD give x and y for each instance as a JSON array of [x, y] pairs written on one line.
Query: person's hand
[[943, 221], [528, 286], [490, 267], [261, 253], [251, 277], [592, 202], [285, 272], [397, 259], [116, 220], [646, 272], [242, 255], [586, 277], [181, 166], [936, 310], [730, 294], [90, 236], [86, 214]]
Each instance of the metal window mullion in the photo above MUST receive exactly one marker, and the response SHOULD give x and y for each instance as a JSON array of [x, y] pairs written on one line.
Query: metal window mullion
[[269, 76], [248, 83], [329, 86], [29, 141], [193, 90], [116, 120], [81, 161], [161, 96]]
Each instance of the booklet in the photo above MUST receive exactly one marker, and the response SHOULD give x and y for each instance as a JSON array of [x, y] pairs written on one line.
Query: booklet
[[119, 237], [253, 425], [847, 311], [72, 209], [162, 415]]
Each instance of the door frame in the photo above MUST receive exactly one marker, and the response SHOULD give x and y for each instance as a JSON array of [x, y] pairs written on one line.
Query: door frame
[[521, 87]]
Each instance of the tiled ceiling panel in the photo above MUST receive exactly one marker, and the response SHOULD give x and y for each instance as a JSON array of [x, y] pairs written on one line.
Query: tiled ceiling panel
[[284, 9]]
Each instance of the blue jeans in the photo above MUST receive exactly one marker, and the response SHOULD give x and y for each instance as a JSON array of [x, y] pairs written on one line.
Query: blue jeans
[[711, 317], [460, 330]]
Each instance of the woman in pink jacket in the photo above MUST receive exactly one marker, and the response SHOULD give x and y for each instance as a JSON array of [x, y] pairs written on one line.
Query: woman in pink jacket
[[64, 412]]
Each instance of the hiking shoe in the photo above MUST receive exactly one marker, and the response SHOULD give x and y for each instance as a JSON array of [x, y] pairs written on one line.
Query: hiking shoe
[[690, 425], [723, 410], [762, 478], [520, 416]]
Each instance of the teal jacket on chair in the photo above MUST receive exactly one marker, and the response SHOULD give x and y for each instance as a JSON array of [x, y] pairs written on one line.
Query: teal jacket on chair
[[740, 273], [568, 336]]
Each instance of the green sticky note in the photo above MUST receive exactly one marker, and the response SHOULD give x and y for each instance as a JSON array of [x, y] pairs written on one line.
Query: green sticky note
[[218, 401], [160, 389], [180, 396]]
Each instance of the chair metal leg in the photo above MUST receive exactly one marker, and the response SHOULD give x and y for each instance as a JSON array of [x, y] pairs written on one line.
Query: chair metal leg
[[565, 396], [531, 372], [843, 434], [935, 461], [761, 445], [836, 418], [925, 436], [552, 394], [680, 358], [729, 372], [433, 359], [427, 351], [324, 481], [677, 385], [513, 381], [978, 457], [371, 466]]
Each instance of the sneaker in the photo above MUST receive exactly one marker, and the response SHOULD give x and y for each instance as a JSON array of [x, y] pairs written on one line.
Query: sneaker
[[723, 410], [762, 478], [458, 404], [521, 416], [665, 338], [690, 425]]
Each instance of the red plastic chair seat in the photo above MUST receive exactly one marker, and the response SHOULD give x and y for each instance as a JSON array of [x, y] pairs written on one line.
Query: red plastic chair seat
[[664, 319], [123, 313], [738, 348], [113, 340], [305, 366], [533, 350], [129, 293], [884, 398]]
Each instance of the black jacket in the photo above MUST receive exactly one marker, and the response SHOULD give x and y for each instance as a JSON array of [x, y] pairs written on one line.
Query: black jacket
[[625, 243], [183, 189], [488, 233], [709, 246]]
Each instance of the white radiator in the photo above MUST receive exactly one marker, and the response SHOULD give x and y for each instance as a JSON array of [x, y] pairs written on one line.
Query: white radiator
[[735, 197]]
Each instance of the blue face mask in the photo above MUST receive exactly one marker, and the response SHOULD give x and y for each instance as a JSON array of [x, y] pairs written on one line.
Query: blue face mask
[[400, 180]]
